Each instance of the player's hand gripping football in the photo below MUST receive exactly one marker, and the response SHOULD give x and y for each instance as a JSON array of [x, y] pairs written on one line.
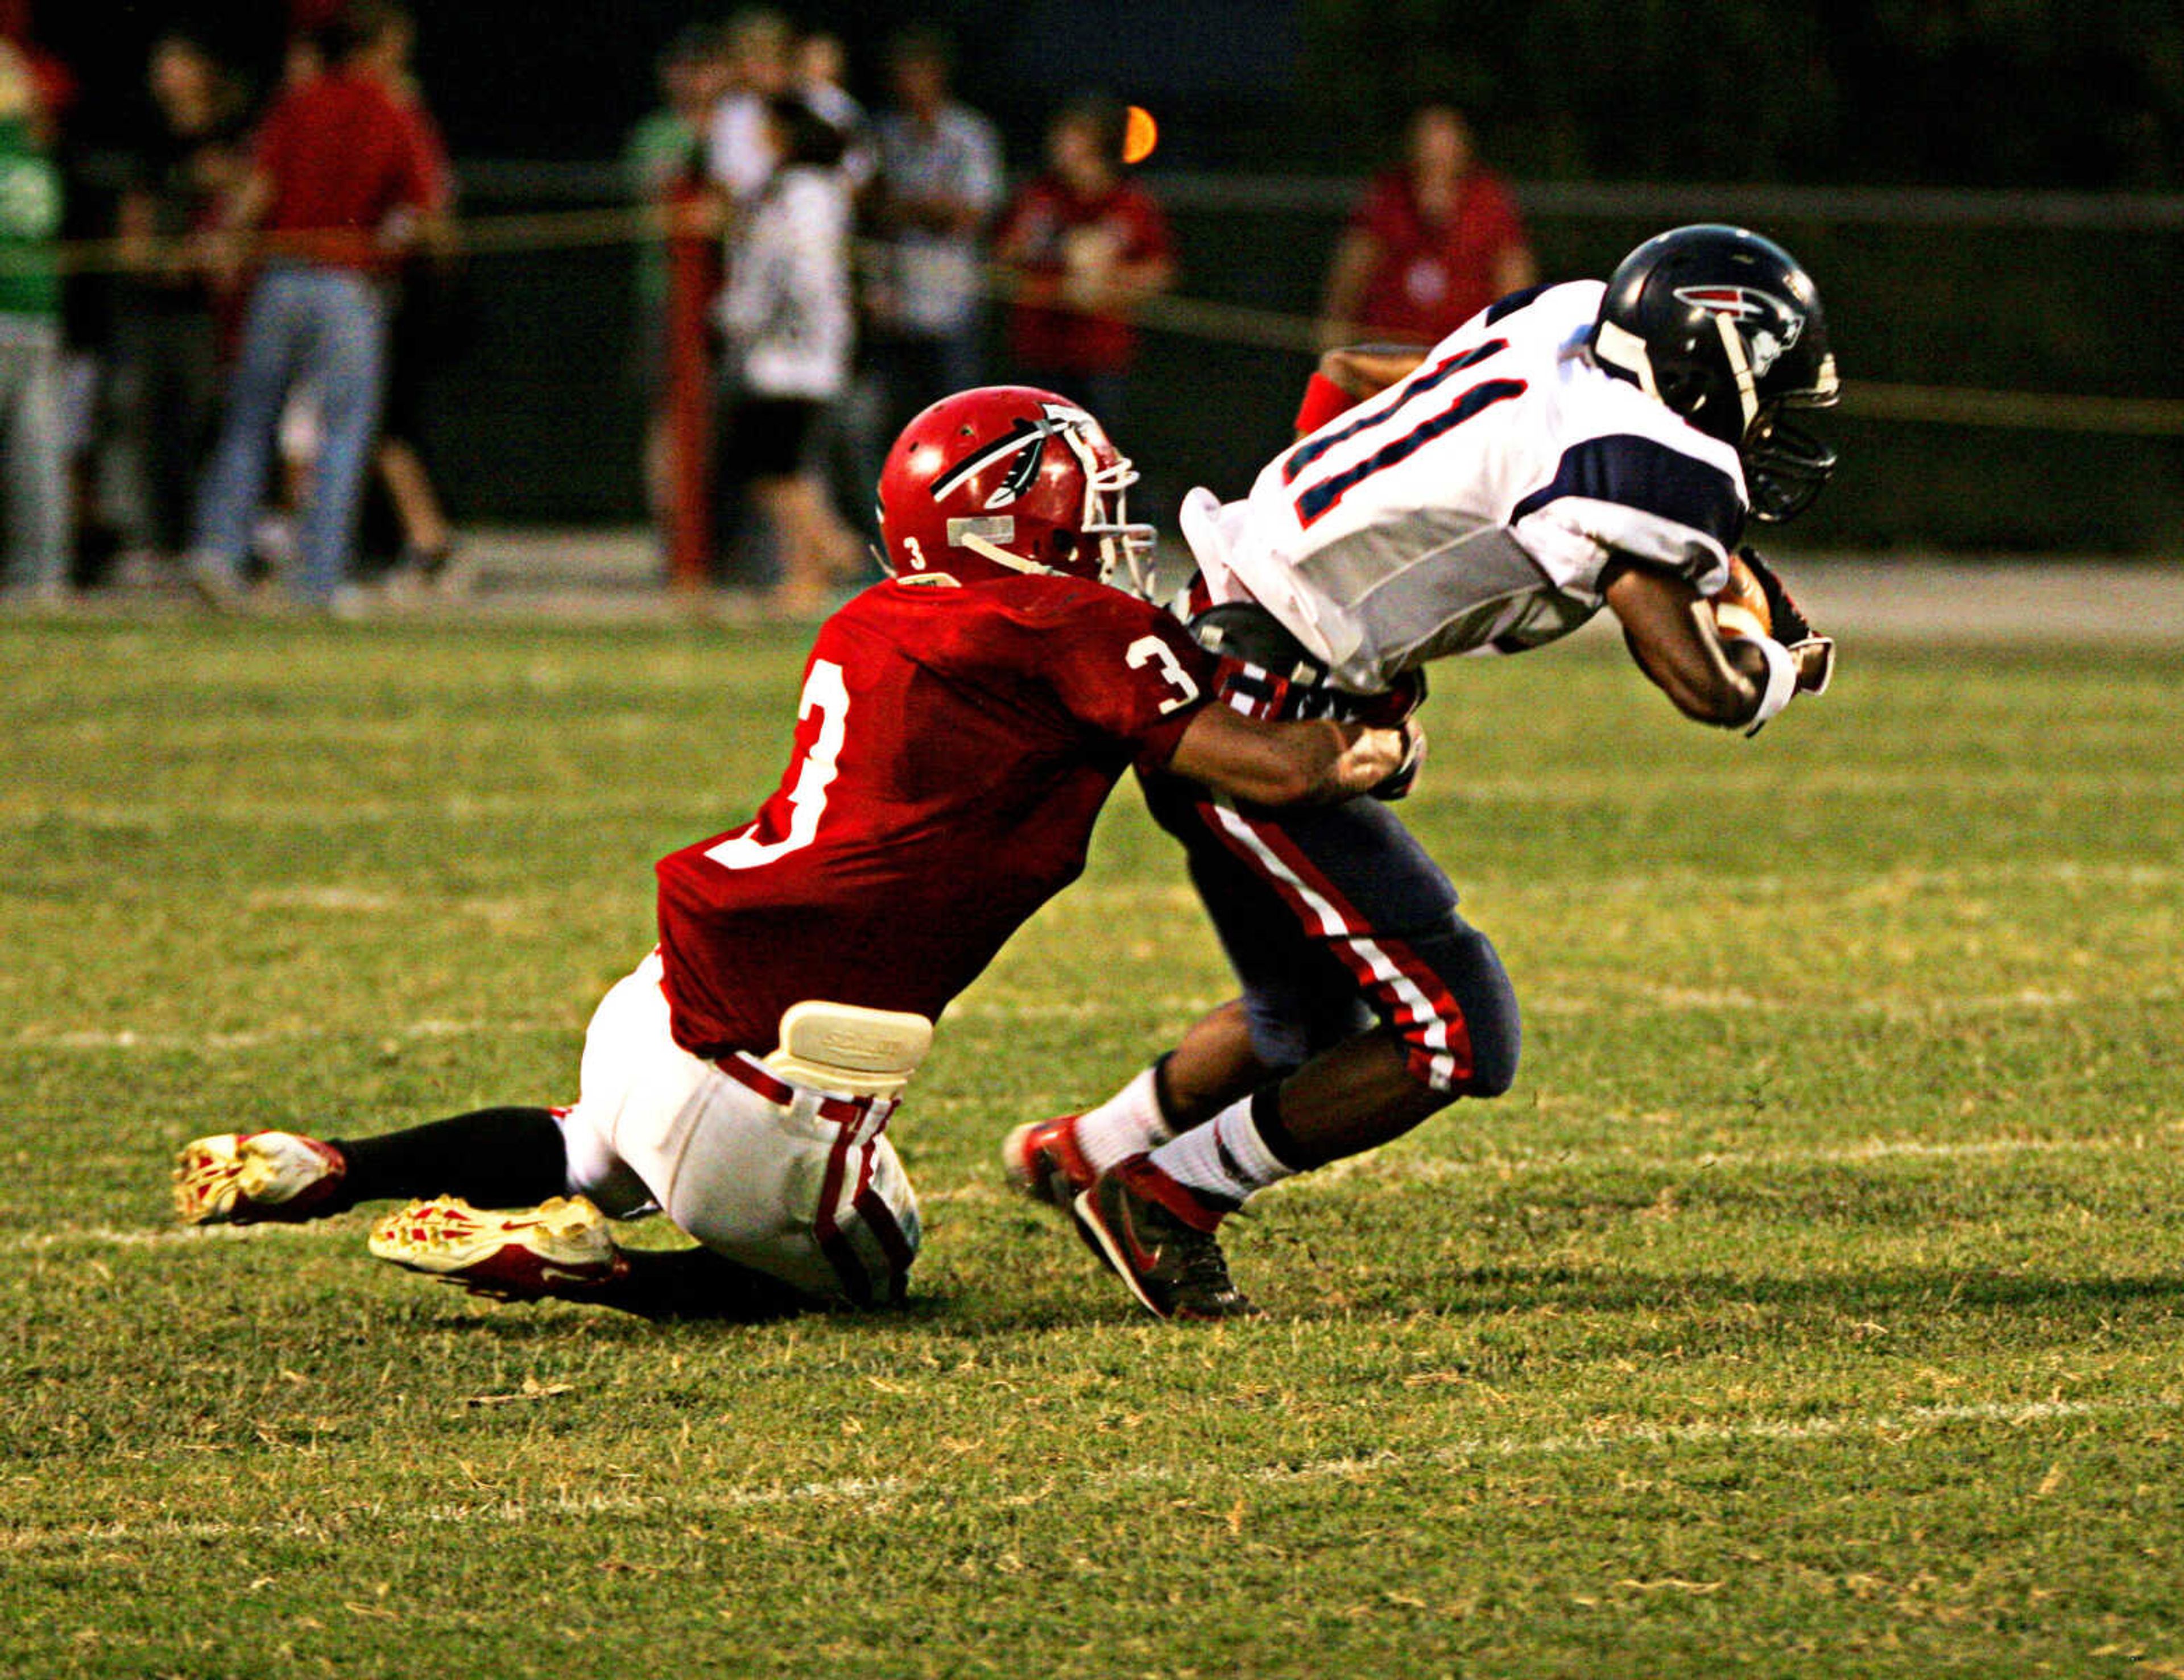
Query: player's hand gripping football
[[1399, 781], [1398, 710], [1785, 620]]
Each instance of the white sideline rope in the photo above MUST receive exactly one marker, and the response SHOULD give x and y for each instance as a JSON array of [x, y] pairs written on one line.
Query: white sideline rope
[[1247, 327]]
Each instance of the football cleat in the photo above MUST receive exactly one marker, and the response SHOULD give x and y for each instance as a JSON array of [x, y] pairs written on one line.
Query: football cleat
[[255, 1178], [1170, 1262], [1042, 1161], [559, 1247]]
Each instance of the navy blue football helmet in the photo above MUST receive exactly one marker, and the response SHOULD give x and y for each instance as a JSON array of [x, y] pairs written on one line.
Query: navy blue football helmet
[[1726, 329]]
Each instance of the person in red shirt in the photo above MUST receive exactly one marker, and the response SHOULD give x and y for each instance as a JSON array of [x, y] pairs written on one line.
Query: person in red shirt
[[1432, 243], [340, 182], [1084, 245], [959, 729], [416, 334]]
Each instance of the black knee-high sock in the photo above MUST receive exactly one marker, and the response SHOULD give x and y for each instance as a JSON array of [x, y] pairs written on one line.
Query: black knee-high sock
[[693, 1283], [493, 1158]]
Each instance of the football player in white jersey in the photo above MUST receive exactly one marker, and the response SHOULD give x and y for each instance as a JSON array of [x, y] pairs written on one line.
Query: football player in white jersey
[[1573, 448]]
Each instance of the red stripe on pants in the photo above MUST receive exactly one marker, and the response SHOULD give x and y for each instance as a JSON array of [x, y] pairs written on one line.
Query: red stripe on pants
[[1352, 941]]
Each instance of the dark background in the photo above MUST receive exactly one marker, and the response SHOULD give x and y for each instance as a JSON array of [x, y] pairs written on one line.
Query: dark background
[[538, 414], [1969, 93]]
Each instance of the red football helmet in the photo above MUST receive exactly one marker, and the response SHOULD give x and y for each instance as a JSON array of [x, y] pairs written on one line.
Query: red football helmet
[[1005, 479]]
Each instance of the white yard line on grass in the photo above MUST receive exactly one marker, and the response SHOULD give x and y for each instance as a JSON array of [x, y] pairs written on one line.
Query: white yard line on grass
[[29, 809], [152, 1236], [1640, 999], [128, 1039], [1406, 1168], [1645, 996], [867, 1495], [1826, 1425], [1396, 1169]]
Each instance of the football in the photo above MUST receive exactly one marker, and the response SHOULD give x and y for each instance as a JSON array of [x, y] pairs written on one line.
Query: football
[[1740, 605]]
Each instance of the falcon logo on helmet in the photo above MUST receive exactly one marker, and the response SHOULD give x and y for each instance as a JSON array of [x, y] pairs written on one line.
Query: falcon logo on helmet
[[1769, 325], [1026, 442]]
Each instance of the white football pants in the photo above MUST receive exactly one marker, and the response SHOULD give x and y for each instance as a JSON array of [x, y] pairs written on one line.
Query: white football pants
[[787, 1180]]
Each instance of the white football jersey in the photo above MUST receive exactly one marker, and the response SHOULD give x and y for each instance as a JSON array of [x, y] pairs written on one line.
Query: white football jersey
[[1473, 507]]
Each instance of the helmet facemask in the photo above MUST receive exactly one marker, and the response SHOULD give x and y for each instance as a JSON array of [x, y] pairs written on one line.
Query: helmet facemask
[[1106, 515], [1785, 466]]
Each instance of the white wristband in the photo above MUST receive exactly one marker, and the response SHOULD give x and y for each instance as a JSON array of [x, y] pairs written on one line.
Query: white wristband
[[1782, 681]]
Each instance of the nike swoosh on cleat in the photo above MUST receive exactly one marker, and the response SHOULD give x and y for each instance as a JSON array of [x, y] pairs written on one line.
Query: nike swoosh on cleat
[[1112, 1252]]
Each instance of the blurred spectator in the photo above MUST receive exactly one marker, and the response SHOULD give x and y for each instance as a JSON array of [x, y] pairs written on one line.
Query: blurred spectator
[[786, 321], [1433, 243], [417, 335], [939, 184], [303, 59], [32, 431], [739, 156], [668, 145], [850, 449], [52, 83], [309, 18], [817, 69], [341, 177], [1087, 245], [166, 328], [664, 155]]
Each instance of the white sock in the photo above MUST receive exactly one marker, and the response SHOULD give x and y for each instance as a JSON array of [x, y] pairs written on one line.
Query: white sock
[[1128, 1123], [1225, 1157]]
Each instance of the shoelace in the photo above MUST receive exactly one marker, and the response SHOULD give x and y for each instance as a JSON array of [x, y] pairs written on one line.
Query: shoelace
[[1204, 1266]]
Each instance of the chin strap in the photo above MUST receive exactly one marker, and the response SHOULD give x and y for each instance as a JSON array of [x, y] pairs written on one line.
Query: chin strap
[[998, 555]]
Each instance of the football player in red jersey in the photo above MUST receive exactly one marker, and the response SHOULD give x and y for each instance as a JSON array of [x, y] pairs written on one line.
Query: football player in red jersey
[[959, 728]]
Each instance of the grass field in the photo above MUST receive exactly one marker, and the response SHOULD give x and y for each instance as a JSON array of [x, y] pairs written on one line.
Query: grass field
[[1814, 1303]]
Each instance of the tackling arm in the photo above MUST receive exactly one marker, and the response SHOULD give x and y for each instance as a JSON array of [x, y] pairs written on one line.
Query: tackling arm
[[1670, 632], [1355, 257], [1363, 371], [1347, 376], [1317, 762]]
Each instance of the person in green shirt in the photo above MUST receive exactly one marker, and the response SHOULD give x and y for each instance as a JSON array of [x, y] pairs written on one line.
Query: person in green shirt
[[666, 148], [33, 441]]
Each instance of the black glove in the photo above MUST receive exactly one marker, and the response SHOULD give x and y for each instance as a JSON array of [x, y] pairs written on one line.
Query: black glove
[[1815, 654], [1790, 625]]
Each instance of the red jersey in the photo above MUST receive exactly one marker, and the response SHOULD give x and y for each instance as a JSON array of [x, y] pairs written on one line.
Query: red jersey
[[1433, 275], [342, 157], [952, 748], [1055, 224]]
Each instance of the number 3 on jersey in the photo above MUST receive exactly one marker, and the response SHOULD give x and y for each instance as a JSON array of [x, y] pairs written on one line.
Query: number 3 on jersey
[[1149, 650], [826, 693]]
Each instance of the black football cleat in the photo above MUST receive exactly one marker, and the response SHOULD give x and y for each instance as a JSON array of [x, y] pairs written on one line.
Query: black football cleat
[[1158, 1238]]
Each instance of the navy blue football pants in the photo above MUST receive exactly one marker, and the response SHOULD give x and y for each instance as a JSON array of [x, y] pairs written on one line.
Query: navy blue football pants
[[1334, 918]]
